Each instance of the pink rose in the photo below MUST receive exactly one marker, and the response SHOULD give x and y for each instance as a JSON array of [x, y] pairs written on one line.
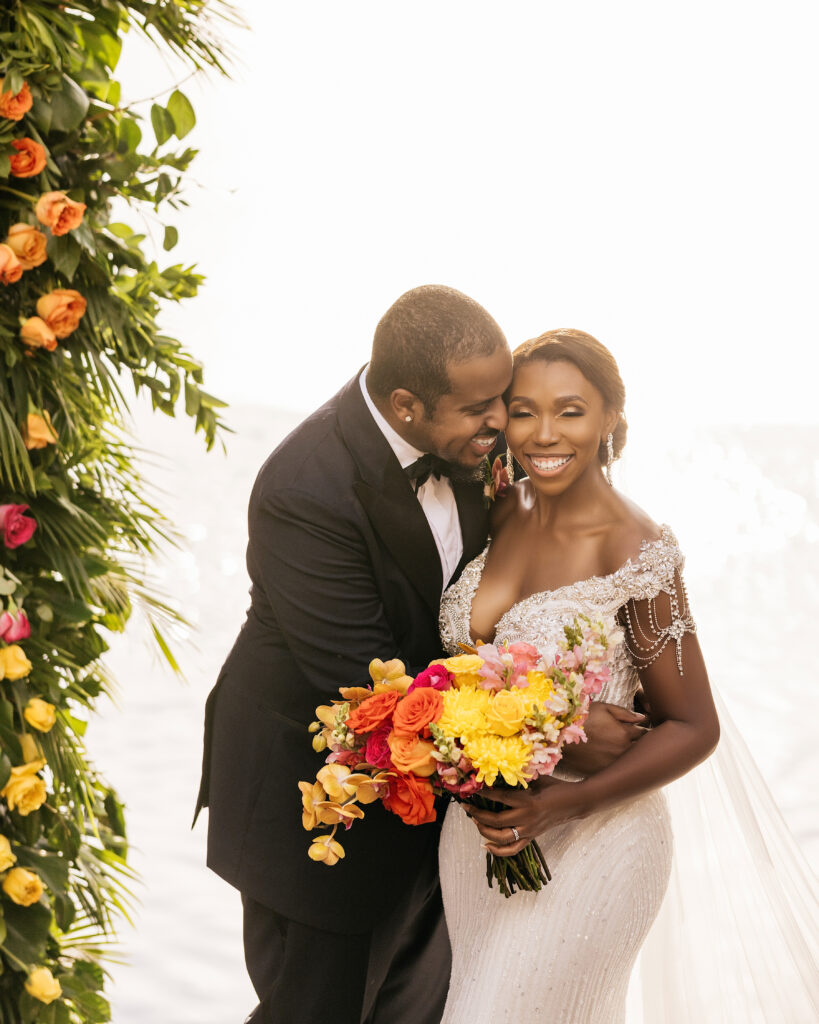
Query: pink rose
[[14, 627], [436, 676], [17, 528], [377, 750]]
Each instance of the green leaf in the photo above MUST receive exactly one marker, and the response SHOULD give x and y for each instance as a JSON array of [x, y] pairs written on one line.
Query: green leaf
[[51, 867], [180, 109], [5, 769], [5, 166], [162, 123], [44, 612], [27, 931], [2, 928], [163, 646], [68, 106], [171, 238], [64, 252]]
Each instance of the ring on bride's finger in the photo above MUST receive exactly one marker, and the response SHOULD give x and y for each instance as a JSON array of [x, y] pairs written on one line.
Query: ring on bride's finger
[[516, 834]]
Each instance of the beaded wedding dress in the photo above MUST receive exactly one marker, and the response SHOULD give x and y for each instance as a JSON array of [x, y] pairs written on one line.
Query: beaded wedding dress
[[565, 955]]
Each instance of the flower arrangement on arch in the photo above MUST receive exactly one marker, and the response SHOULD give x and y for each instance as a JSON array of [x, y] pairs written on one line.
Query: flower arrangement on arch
[[496, 715]]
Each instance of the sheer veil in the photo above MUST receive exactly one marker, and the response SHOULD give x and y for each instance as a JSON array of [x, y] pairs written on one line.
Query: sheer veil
[[737, 938]]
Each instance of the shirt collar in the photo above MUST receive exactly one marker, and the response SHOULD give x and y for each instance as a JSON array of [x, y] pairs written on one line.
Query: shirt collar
[[403, 450]]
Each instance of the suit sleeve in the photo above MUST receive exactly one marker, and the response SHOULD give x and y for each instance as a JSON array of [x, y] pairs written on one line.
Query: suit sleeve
[[313, 567]]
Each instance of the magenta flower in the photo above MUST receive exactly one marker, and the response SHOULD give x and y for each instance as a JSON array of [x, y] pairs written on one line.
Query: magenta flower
[[14, 627], [377, 750], [17, 528], [435, 677]]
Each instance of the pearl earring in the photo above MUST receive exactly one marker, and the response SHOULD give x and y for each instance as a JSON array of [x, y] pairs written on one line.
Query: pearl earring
[[408, 419]]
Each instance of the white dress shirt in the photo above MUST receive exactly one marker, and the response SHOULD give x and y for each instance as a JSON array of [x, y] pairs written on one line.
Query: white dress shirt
[[435, 495]]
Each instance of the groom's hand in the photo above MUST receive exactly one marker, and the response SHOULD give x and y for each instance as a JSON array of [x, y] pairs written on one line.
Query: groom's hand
[[611, 730]]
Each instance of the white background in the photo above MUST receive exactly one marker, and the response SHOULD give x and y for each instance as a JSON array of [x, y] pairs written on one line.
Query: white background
[[646, 172]]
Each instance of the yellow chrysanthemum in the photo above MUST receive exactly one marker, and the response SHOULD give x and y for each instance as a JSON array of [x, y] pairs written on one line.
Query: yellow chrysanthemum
[[540, 687], [465, 668], [464, 711], [508, 756]]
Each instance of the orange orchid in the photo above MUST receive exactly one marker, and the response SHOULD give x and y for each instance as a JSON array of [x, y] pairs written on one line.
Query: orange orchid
[[332, 777], [331, 813], [311, 795], [326, 850]]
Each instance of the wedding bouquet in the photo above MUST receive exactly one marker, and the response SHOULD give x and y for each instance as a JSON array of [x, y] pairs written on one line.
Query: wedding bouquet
[[497, 715]]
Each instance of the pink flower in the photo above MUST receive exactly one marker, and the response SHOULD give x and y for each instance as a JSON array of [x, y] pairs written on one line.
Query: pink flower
[[436, 676], [17, 528], [14, 627], [377, 751], [507, 665]]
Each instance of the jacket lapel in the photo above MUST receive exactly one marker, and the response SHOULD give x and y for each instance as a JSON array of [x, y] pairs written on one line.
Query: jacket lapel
[[388, 498]]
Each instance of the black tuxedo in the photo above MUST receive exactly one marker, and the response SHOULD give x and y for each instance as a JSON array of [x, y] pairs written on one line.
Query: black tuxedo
[[344, 569]]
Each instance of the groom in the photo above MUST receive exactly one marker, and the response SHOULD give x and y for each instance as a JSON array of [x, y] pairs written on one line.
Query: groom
[[354, 531]]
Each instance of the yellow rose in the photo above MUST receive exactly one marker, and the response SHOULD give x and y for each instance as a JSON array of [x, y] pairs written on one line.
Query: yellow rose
[[7, 858], [62, 309], [38, 431], [465, 668], [35, 333], [28, 245], [25, 791], [22, 887], [505, 713], [42, 984], [410, 754], [13, 662], [40, 715], [29, 746]]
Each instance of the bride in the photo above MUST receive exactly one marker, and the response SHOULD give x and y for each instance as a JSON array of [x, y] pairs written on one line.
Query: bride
[[565, 542]]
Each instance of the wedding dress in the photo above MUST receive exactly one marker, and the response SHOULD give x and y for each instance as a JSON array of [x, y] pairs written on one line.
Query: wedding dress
[[565, 955]]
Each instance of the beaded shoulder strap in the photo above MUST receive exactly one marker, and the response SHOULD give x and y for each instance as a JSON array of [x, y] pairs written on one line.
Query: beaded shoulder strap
[[650, 627]]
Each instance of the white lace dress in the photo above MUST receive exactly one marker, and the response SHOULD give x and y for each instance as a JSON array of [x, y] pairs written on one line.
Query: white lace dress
[[563, 955]]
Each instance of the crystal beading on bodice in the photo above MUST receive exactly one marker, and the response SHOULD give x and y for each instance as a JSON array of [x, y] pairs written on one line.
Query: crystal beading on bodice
[[540, 618]]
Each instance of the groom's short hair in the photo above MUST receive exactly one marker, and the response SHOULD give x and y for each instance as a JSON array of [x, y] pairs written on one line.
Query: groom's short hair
[[421, 334]]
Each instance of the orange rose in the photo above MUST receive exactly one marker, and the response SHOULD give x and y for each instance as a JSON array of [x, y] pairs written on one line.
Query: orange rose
[[411, 799], [409, 754], [30, 158], [15, 106], [37, 334], [58, 212], [417, 710], [38, 431], [28, 245], [371, 713], [11, 269], [62, 310]]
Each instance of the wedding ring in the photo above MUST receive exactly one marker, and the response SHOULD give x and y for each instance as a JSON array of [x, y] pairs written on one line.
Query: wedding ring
[[516, 834]]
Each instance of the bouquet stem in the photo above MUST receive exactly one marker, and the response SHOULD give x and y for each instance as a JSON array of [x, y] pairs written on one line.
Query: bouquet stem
[[526, 871]]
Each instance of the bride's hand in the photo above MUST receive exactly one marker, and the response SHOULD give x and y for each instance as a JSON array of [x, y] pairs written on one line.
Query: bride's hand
[[546, 803], [611, 730]]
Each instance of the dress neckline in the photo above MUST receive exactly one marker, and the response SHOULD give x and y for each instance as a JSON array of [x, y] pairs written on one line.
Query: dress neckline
[[630, 565]]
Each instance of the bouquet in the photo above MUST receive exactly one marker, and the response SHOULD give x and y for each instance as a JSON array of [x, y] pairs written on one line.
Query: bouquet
[[496, 715]]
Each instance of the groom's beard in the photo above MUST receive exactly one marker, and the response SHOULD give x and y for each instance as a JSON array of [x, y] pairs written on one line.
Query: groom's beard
[[465, 474]]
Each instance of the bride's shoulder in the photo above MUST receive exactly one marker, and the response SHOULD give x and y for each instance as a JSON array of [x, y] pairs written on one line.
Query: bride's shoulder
[[506, 507], [632, 534]]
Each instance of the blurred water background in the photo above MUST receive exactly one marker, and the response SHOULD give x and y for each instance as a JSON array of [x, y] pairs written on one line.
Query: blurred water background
[[744, 503]]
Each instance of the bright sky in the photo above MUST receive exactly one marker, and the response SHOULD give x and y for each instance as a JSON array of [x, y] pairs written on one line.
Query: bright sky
[[644, 171]]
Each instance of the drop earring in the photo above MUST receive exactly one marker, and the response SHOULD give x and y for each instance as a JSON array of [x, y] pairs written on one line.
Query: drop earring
[[609, 457], [510, 465]]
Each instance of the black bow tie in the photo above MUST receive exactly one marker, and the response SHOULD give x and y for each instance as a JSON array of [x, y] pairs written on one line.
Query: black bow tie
[[428, 465]]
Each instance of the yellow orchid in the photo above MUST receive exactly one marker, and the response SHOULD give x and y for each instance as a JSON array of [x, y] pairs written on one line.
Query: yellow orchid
[[326, 850], [389, 675], [354, 693], [326, 714], [332, 777], [311, 794], [330, 813], [370, 788]]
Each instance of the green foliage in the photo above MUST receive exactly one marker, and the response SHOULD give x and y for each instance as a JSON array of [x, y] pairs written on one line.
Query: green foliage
[[80, 574]]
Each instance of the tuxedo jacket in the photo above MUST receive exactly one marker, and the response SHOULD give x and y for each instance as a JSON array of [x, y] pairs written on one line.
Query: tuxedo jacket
[[343, 569]]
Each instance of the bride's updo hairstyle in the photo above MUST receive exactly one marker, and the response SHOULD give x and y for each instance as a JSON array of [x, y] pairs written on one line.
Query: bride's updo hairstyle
[[593, 360], [421, 334]]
